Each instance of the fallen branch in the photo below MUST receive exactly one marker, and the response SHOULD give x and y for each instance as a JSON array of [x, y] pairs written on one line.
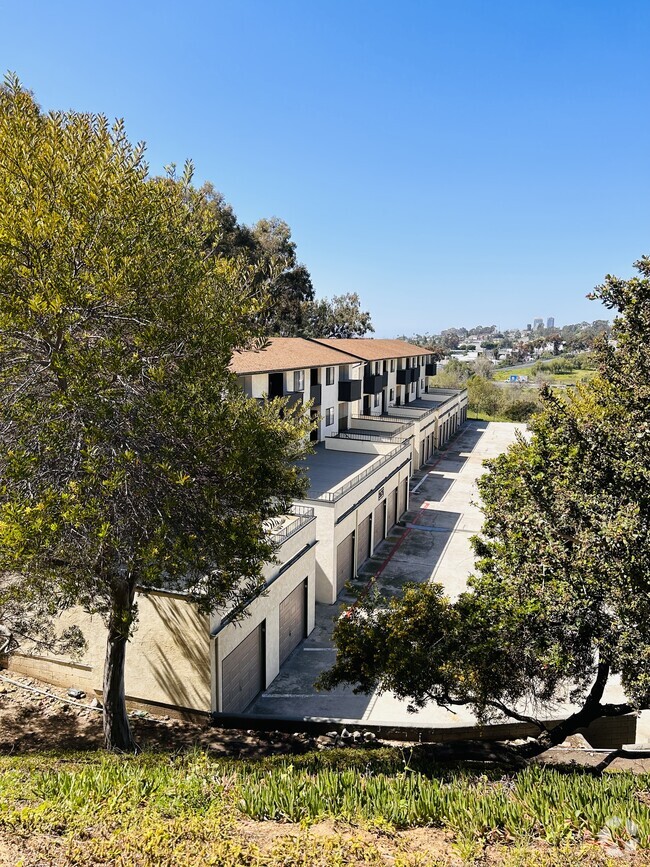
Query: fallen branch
[[50, 694]]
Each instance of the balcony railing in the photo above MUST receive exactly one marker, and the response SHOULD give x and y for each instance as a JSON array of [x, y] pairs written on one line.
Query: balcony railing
[[386, 417], [368, 436], [431, 369], [303, 515], [422, 412], [407, 375], [315, 394], [336, 494], [293, 398]]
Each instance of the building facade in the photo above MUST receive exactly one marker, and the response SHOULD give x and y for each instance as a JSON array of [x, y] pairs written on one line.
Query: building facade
[[375, 421]]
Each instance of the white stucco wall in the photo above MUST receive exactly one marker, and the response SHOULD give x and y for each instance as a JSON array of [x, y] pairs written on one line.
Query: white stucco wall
[[334, 521], [266, 609], [282, 578]]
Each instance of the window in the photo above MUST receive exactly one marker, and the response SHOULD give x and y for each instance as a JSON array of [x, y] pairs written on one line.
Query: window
[[329, 416], [299, 380], [376, 400], [392, 365], [392, 394], [329, 376]]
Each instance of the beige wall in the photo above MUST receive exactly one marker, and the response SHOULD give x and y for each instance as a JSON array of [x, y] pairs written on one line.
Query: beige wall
[[167, 658]]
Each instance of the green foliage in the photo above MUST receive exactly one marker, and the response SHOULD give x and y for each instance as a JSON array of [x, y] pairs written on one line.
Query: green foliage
[[560, 600], [128, 455], [271, 257], [175, 810], [340, 317], [483, 395]]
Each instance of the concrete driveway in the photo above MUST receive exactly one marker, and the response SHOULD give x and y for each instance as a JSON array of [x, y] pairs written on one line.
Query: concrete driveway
[[434, 545]]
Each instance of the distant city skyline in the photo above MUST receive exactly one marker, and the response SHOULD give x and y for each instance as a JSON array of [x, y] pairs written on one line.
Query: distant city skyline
[[432, 157]]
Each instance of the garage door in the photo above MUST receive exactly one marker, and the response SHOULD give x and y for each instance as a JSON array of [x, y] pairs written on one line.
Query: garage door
[[378, 529], [391, 510], [241, 673], [292, 621], [401, 502], [344, 562], [363, 541]]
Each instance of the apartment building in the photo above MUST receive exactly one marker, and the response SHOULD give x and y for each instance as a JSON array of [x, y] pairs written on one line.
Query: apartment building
[[358, 478], [396, 390], [376, 420], [181, 660]]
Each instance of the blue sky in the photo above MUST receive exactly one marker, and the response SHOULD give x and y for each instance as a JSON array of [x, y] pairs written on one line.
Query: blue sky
[[455, 163]]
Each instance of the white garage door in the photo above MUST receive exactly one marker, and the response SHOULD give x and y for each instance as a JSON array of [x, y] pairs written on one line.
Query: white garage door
[[391, 510], [378, 530], [292, 621], [401, 504], [363, 541], [344, 562], [241, 673]]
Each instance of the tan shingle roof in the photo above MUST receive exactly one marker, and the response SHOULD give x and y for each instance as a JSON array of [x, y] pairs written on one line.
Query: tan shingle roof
[[288, 353], [371, 348]]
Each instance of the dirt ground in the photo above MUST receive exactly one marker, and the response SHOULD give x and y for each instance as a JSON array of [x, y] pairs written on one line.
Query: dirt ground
[[33, 722]]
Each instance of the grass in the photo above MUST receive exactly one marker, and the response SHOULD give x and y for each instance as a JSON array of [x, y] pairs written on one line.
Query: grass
[[476, 415], [572, 378], [191, 809]]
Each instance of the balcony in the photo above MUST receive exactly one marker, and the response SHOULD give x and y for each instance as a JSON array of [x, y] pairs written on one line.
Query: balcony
[[407, 375], [334, 473], [285, 526], [294, 398], [315, 394], [350, 390], [431, 369], [373, 383]]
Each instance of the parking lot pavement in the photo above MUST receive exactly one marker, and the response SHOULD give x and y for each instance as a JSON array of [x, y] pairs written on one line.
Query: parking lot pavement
[[433, 545]]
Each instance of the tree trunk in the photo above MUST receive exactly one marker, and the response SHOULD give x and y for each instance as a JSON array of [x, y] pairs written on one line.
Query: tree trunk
[[591, 710], [117, 731]]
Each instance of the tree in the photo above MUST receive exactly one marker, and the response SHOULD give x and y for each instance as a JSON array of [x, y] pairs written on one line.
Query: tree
[[271, 254], [483, 367], [450, 338], [129, 458], [340, 317], [561, 600], [290, 291], [454, 374], [483, 395]]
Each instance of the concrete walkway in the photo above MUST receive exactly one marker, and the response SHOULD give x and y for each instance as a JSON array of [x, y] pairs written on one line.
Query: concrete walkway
[[443, 514]]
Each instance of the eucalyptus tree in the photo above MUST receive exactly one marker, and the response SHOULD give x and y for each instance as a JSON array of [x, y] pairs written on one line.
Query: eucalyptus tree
[[129, 458]]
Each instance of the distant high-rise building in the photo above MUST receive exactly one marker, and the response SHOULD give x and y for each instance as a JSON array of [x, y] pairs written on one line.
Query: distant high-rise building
[[538, 323], [528, 327], [550, 322]]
